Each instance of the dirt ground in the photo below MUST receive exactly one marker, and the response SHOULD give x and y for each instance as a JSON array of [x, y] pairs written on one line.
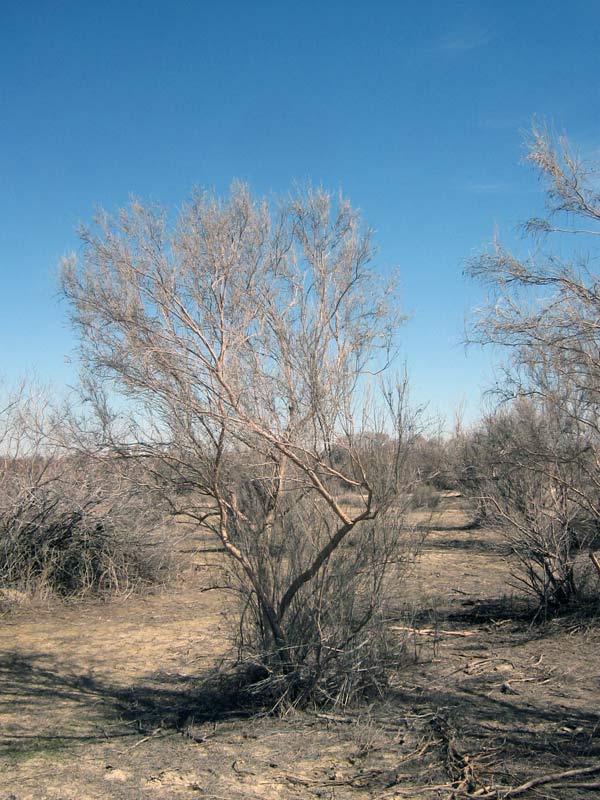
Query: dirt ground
[[110, 700]]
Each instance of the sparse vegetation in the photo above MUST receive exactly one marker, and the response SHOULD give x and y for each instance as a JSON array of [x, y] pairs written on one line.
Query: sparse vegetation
[[236, 381], [540, 473], [70, 524], [524, 475]]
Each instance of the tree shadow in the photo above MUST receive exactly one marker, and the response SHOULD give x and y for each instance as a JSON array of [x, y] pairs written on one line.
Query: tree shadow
[[521, 732], [32, 689], [436, 525], [538, 621], [492, 611], [471, 544], [495, 610]]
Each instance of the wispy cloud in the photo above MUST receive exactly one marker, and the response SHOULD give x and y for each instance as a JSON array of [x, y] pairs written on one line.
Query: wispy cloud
[[450, 45], [458, 43]]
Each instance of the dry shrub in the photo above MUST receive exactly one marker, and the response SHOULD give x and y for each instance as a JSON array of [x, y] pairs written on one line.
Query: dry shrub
[[338, 646], [70, 523], [248, 340], [544, 311], [528, 473], [425, 497], [50, 543]]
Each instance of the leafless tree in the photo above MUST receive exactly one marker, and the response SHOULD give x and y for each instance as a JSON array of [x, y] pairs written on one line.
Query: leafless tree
[[249, 341], [544, 310]]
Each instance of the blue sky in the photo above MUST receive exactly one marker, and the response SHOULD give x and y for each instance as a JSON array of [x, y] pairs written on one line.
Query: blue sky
[[416, 109]]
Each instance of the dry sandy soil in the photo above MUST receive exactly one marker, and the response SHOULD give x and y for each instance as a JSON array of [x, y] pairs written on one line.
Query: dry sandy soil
[[110, 700]]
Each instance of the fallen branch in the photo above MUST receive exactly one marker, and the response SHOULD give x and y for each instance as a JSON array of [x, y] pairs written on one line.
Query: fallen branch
[[590, 785], [336, 718], [554, 778], [430, 631], [142, 741], [543, 780], [410, 791]]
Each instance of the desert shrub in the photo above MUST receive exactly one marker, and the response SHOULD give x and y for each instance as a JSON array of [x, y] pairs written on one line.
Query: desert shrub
[[248, 340], [70, 523], [425, 496], [543, 310], [48, 542], [433, 462], [527, 474], [338, 647]]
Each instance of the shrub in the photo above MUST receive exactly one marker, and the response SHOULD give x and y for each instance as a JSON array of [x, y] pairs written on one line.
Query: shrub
[[46, 542], [338, 646], [527, 475], [249, 333], [70, 523], [425, 497]]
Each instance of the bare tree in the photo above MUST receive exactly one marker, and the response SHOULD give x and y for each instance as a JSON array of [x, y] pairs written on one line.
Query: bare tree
[[246, 339], [544, 310]]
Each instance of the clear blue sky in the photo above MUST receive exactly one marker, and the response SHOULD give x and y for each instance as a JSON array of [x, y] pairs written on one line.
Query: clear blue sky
[[415, 109]]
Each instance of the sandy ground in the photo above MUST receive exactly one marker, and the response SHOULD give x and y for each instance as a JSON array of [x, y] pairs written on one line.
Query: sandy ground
[[109, 700]]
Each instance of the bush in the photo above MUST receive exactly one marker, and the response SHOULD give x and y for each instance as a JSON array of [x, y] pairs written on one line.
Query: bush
[[337, 646], [527, 472], [70, 523], [250, 333], [425, 497], [47, 543], [544, 311]]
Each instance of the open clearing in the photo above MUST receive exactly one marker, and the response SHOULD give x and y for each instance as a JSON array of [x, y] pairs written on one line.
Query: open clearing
[[109, 700]]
